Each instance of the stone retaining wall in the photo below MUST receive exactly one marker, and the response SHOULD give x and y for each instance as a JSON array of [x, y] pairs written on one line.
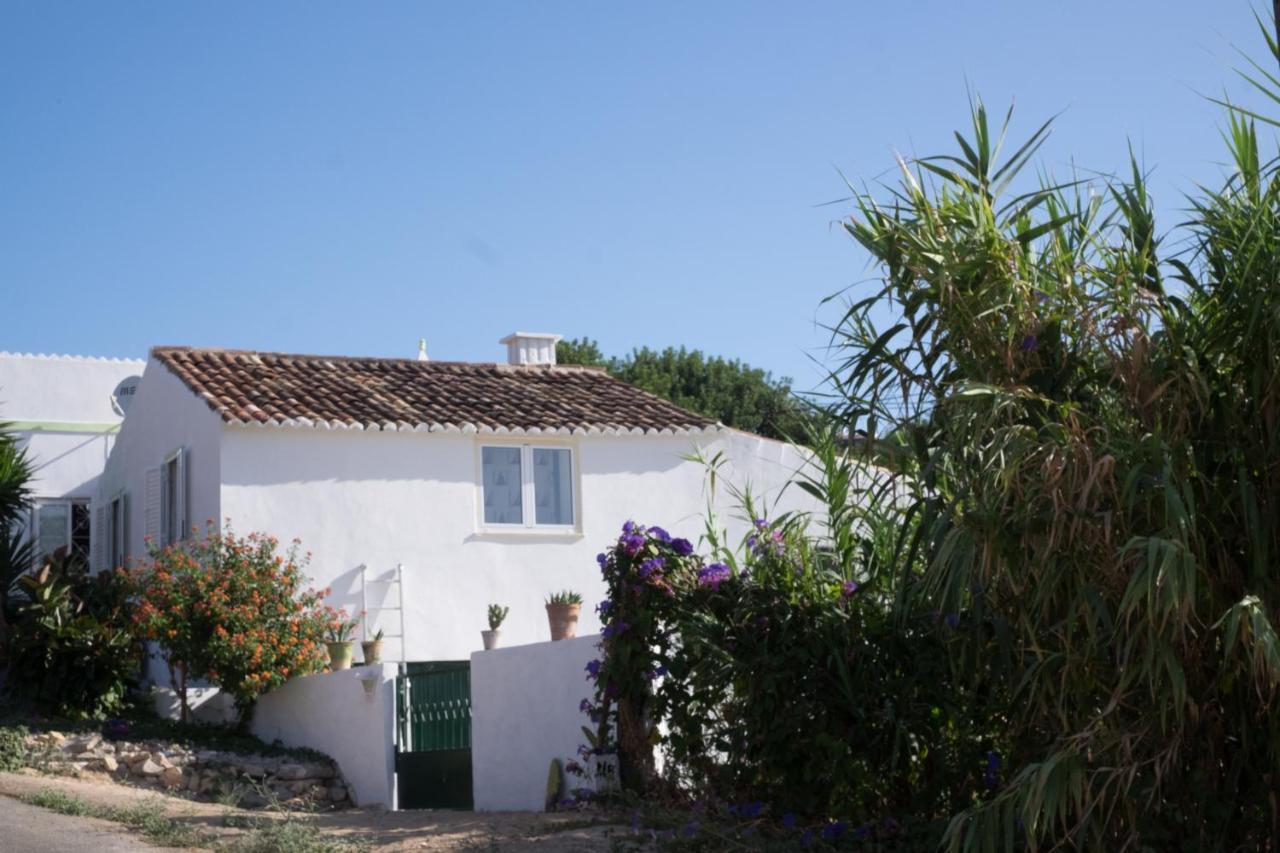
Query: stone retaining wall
[[256, 781]]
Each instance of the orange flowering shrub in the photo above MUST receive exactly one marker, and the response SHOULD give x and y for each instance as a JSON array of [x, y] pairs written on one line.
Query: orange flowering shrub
[[231, 610]]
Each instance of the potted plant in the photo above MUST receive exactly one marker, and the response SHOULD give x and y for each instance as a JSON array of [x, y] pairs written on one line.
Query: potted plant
[[338, 636], [372, 648], [562, 613], [497, 613]]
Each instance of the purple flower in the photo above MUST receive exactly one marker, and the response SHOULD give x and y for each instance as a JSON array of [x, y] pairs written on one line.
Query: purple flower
[[690, 829], [632, 543], [584, 706], [834, 830], [953, 620], [613, 629], [847, 589], [761, 523], [602, 559], [807, 838], [629, 527], [603, 607], [752, 810], [650, 566], [713, 575], [593, 669], [1029, 343], [681, 547], [659, 534], [992, 775], [788, 820]]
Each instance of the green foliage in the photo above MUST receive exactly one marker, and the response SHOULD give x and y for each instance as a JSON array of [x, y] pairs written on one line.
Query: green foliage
[[565, 597], [497, 615], [13, 748], [729, 391], [580, 351], [1095, 424], [782, 673], [73, 648], [16, 556]]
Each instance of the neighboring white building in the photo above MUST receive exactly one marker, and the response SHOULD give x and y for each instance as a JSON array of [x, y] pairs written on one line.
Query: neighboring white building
[[486, 482], [67, 410]]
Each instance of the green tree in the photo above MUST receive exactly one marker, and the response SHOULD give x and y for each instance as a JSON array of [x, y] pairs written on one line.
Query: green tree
[[15, 552], [734, 393], [1093, 409]]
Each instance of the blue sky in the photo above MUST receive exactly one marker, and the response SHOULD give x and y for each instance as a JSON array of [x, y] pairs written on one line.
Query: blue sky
[[347, 177]]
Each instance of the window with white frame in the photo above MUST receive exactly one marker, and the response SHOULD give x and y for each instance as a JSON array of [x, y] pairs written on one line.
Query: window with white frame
[[527, 486], [173, 498], [60, 523]]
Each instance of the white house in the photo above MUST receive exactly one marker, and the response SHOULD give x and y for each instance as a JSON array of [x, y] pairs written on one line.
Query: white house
[[487, 483], [66, 410]]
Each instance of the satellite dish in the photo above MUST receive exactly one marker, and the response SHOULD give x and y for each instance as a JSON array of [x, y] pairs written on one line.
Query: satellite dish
[[122, 397]]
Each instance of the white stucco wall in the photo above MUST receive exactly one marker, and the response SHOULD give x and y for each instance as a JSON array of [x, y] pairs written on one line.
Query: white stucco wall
[[413, 498], [332, 713], [62, 407], [524, 713], [165, 416]]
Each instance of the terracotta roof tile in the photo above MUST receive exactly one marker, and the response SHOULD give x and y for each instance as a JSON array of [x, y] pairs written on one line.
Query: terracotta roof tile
[[403, 394]]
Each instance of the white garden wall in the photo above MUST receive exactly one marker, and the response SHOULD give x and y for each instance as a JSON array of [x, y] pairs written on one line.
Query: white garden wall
[[331, 712], [524, 713]]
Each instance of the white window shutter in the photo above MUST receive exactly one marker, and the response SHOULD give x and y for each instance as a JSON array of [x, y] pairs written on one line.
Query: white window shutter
[[162, 506], [184, 523], [151, 506], [124, 529]]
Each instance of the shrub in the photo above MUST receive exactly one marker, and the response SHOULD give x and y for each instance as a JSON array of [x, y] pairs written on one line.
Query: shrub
[[13, 748], [231, 610], [780, 672], [73, 648]]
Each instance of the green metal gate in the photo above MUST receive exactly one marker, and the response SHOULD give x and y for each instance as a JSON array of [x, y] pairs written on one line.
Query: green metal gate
[[433, 735]]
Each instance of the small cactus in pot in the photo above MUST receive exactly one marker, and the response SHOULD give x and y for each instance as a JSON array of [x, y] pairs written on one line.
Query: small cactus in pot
[[497, 613], [372, 648], [562, 614]]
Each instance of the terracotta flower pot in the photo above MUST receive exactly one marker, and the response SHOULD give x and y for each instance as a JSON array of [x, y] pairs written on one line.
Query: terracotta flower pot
[[372, 650], [339, 656], [564, 620]]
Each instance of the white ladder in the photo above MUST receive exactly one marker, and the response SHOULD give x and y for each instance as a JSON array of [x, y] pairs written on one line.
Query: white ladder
[[392, 578]]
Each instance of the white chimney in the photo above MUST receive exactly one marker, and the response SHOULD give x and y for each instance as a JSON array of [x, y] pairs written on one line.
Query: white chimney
[[422, 349], [530, 348]]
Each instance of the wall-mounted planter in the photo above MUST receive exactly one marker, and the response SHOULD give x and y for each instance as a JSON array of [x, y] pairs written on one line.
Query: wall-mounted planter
[[490, 638], [564, 620], [340, 656]]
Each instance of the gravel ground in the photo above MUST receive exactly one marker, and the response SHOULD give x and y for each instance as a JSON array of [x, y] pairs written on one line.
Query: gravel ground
[[506, 832]]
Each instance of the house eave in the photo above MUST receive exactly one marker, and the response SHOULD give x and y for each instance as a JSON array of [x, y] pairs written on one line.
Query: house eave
[[472, 429]]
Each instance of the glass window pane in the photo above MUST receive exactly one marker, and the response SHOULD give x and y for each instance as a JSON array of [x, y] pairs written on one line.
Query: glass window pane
[[552, 486], [80, 530], [503, 487], [53, 526]]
